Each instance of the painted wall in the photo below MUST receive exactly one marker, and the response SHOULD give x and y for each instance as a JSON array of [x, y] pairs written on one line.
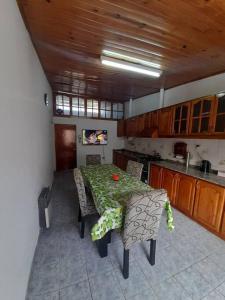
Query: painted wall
[[195, 89], [25, 151], [82, 150]]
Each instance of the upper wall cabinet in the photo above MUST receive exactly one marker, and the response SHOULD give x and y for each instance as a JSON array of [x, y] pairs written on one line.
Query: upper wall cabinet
[[181, 116], [131, 127], [121, 128], [202, 116], [165, 121], [219, 117]]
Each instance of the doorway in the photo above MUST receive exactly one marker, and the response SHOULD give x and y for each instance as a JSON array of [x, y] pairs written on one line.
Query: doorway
[[65, 147]]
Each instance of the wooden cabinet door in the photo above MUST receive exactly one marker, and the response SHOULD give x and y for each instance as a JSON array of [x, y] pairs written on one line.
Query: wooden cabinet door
[[223, 226], [165, 119], [121, 161], [185, 193], [65, 147], [209, 205], [140, 126], [181, 116], [219, 117], [131, 127], [169, 184], [202, 116], [121, 129], [155, 176]]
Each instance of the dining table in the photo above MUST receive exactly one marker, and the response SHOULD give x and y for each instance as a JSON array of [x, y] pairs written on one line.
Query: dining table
[[110, 198]]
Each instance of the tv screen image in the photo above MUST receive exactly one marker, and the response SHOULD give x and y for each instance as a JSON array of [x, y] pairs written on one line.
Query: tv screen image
[[94, 137]]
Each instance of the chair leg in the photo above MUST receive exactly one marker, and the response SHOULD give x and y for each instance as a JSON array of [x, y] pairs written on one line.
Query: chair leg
[[126, 263], [82, 227], [102, 245], [79, 215], [152, 252], [109, 237]]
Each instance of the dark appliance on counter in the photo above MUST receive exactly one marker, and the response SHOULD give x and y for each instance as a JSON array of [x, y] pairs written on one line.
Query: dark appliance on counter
[[205, 166]]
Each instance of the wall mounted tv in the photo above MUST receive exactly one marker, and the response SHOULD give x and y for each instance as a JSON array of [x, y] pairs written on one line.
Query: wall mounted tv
[[94, 137]]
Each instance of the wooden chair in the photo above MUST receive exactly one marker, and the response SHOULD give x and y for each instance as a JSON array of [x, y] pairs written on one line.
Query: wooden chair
[[134, 168], [142, 220], [86, 204], [93, 159]]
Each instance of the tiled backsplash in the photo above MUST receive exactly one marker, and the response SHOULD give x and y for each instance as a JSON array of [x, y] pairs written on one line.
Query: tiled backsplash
[[212, 150]]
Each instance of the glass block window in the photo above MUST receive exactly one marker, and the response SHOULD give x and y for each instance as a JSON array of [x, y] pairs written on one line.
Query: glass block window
[[78, 107], [62, 105], [92, 108], [117, 111], [106, 110]]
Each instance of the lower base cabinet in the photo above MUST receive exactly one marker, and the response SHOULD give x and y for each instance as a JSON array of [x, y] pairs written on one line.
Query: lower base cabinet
[[185, 193], [209, 205], [201, 200], [169, 184], [155, 177]]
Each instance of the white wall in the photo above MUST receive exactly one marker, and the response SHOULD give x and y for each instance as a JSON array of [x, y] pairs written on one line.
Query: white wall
[[81, 123], [25, 151], [208, 86]]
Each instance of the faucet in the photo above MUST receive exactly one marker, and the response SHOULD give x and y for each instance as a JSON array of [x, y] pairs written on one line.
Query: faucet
[[187, 160]]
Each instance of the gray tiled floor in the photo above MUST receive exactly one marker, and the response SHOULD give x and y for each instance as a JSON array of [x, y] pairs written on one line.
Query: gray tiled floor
[[190, 262]]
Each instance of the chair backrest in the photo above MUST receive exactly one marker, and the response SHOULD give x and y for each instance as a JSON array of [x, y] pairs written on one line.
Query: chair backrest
[[93, 159], [134, 168], [143, 215], [78, 178]]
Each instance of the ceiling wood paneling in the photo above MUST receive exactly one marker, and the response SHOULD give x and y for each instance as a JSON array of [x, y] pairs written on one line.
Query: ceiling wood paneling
[[186, 37]]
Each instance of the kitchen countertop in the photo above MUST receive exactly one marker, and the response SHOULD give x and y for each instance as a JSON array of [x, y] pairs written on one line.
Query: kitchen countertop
[[192, 171]]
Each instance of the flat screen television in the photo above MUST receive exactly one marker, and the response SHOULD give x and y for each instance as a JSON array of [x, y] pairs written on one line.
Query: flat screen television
[[94, 137]]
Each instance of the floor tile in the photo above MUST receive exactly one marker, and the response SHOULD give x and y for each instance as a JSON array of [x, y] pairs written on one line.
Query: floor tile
[[44, 279], [48, 296], [213, 273], [170, 289], [135, 283], [144, 295], [154, 274], [214, 296], [96, 265], [104, 286], [194, 283], [78, 291], [72, 271], [221, 289]]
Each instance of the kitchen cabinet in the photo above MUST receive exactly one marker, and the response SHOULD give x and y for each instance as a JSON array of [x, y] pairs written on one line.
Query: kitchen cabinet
[[121, 128], [131, 127], [185, 193], [121, 161], [168, 182], [209, 205], [181, 116], [140, 125], [155, 176], [202, 116], [219, 117], [164, 121], [223, 226]]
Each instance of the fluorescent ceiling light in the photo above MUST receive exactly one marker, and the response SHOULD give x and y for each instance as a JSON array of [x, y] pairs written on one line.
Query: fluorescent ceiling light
[[131, 59], [112, 62]]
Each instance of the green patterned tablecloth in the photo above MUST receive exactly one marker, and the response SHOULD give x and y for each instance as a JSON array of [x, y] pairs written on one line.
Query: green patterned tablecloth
[[110, 196]]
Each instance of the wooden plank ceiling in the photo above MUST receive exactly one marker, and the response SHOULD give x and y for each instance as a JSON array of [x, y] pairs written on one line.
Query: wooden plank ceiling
[[187, 38]]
